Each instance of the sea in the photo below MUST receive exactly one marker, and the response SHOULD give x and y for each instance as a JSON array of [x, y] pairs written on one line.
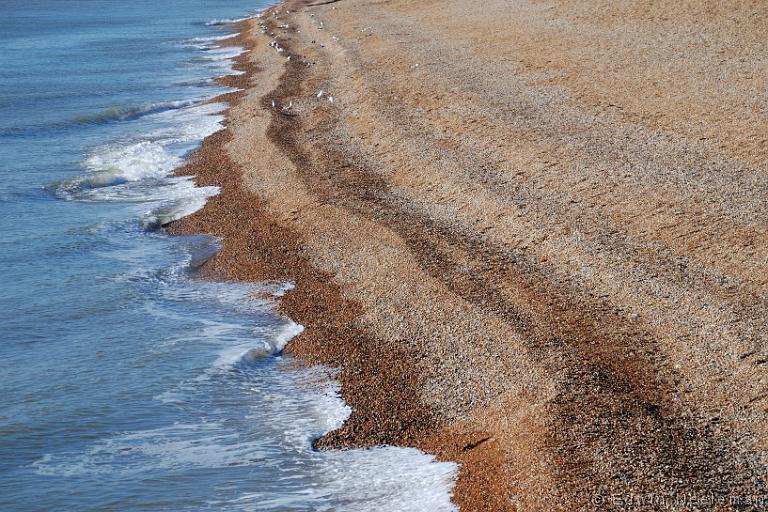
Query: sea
[[127, 382]]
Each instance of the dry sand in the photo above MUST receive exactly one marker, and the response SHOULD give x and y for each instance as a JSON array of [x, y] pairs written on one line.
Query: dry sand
[[532, 234]]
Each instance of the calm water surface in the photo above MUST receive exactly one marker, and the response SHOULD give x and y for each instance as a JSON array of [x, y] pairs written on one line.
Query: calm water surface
[[125, 382]]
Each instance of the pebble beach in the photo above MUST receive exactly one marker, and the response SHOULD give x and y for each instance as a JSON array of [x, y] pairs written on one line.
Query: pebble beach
[[530, 236]]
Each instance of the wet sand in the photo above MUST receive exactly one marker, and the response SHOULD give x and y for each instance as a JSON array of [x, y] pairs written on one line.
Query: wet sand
[[531, 235]]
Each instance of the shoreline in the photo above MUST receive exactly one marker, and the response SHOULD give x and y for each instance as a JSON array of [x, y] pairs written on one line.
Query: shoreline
[[366, 379], [479, 317]]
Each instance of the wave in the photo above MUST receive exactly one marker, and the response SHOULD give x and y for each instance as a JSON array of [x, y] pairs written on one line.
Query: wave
[[225, 21], [205, 43], [139, 170], [131, 112], [190, 198], [251, 351], [117, 166], [114, 114], [221, 54]]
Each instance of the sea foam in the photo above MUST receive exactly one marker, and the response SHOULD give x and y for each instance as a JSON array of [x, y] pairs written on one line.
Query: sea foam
[[225, 21], [139, 169]]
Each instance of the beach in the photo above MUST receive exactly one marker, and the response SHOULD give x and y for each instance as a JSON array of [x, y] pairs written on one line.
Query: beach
[[531, 236]]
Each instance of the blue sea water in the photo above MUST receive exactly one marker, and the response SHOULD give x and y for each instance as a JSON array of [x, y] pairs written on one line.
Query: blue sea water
[[126, 382]]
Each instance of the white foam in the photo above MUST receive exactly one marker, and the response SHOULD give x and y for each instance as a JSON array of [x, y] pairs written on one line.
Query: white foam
[[251, 350], [231, 296], [139, 170], [188, 125], [225, 21], [134, 111], [286, 334], [187, 201], [389, 479], [204, 43], [316, 410], [224, 53], [383, 479], [130, 162]]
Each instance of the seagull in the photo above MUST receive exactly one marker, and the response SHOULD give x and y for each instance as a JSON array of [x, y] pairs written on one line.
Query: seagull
[[320, 94]]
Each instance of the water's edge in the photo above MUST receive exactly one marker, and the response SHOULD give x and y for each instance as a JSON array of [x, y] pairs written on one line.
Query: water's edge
[[132, 379], [438, 478]]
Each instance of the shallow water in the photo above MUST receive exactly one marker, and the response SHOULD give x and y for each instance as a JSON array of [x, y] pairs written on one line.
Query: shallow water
[[127, 383]]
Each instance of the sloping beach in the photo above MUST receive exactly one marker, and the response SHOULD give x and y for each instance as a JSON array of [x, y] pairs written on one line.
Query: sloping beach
[[530, 235]]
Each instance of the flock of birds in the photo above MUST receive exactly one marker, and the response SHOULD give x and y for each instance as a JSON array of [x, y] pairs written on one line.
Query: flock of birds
[[288, 109]]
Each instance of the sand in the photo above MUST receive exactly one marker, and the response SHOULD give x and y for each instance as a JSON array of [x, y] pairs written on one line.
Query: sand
[[531, 235]]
